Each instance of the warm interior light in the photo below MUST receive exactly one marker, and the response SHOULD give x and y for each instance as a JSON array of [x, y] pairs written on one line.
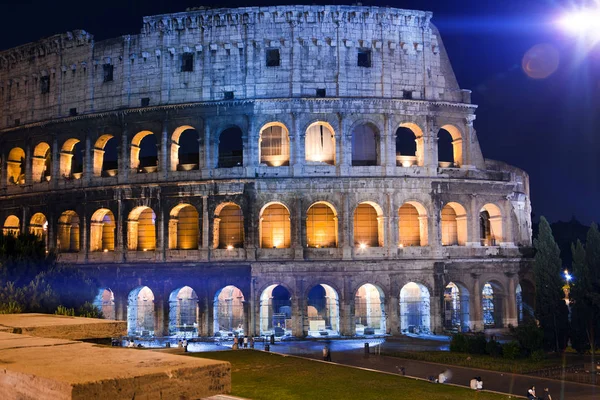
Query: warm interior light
[[363, 246], [276, 244], [229, 247], [145, 249], [400, 245], [106, 250]]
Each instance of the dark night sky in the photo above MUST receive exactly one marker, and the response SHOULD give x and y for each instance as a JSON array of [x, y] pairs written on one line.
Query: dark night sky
[[549, 127]]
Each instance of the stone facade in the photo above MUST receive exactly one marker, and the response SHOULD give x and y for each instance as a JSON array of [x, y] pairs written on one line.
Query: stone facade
[[382, 69]]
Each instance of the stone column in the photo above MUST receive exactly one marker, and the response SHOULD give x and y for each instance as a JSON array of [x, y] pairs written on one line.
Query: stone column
[[252, 312], [123, 161], [393, 314], [475, 306], [298, 310], [510, 316], [430, 146], [343, 147], [55, 164], [162, 220], [51, 232], [435, 313], [205, 222], [121, 298], [87, 159], [344, 233], [298, 155], [161, 313], [163, 153], [250, 145], [347, 326], [4, 177], [388, 145], [28, 164], [84, 233], [208, 145], [472, 223], [298, 228], [120, 233], [204, 329]]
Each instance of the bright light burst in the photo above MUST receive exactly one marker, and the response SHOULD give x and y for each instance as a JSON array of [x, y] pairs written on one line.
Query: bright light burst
[[583, 23]]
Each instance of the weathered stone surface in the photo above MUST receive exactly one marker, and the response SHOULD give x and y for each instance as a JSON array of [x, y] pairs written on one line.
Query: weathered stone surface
[[55, 369], [61, 327]]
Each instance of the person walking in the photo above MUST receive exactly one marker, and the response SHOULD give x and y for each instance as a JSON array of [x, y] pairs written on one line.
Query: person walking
[[245, 342], [325, 353], [251, 340], [185, 345], [328, 354], [235, 343]]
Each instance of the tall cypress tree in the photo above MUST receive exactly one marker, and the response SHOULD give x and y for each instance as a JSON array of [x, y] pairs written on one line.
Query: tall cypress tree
[[582, 309], [550, 309]]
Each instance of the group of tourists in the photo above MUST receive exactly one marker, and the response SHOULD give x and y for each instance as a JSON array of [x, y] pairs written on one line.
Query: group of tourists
[[243, 342], [532, 396]]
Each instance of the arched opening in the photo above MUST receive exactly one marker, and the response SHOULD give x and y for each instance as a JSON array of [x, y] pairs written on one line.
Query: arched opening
[[102, 231], [71, 159], [228, 312], [456, 308], [12, 226], [369, 310], [275, 227], [449, 147], [490, 225], [105, 303], [492, 301], [41, 164], [412, 225], [185, 153], [183, 312], [144, 152], [525, 293], [15, 167], [184, 227], [368, 226], [415, 314], [323, 311], [38, 226], [68, 232], [319, 143], [229, 227], [454, 225], [365, 145], [106, 156], [321, 226], [231, 148], [276, 312], [140, 312], [141, 229], [408, 145], [274, 145]]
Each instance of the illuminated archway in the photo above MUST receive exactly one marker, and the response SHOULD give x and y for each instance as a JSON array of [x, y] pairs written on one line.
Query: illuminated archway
[[275, 226], [185, 155], [106, 156], [409, 145], [412, 225], [323, 311], [41, 163], [450, 153], [184, 227], [415, 310], [368, 225], [456, 308], [68, 232], [38, 225], [454, 225], [144, 157], [102, 231], [140, 312], [71, 159], [228, 227], [105, 303], [319, 143], [12, 226], [492, 303], [321, 226], [274, 145], [15, 166], [183, 310], [228, 312], [141, 229], [276, 311], [369, 310], [490, 225]]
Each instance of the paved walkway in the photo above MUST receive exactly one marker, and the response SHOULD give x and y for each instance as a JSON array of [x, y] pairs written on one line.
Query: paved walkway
[[351, 352]]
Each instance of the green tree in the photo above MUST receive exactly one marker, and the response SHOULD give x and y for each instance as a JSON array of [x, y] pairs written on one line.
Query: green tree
[[550, 308], [583, 311]]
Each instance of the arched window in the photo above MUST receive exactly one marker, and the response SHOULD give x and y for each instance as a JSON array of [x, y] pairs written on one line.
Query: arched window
[[323, 311], [415, 316], [41, 166], [228, 312], [229, 227], [140, 312], [492, 305], [408, 149], [185, 153], [456, 308], [15, 167], [68, 232], [144, 156], [106, 156], [449, 147], [275, 227], [231, 148], [183, 306], [412, 225], [12, 226], [102, 231], [454, 225], [105, 303], [276, 311], [321, 226], [184, 227], [369, 310], [367, 229], [141, 229], [38, 225], [71, 159], [365, 145], [274, 145], [490, 225], [320, 143]]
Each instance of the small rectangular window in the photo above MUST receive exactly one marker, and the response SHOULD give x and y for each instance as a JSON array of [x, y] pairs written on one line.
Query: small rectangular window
[[187, 62], [321, 92], [364, 58], [45, 84], [145, 101], [273, 59], [72, 112], [407, 94], [108, 72], [17, 122], [228, 95]]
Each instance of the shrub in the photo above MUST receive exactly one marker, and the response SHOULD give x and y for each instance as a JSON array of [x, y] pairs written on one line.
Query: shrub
[[459, 343], [61, 310], [493, 348], [477, 343], [529, 336], [538, 355], [511, 350]]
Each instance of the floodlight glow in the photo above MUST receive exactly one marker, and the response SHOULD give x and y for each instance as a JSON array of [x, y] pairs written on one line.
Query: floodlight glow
[[229, 247], [363, 246], [582, 23]]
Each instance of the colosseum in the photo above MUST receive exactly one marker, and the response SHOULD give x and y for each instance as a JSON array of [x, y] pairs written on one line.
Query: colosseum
[[297, 171]]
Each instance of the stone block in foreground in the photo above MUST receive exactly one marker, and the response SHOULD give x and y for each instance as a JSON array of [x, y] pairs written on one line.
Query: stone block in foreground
[[56, 369], [61, 327]]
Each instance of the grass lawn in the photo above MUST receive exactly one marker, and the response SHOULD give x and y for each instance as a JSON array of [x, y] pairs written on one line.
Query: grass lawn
[[518, 366], [257, 375]]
